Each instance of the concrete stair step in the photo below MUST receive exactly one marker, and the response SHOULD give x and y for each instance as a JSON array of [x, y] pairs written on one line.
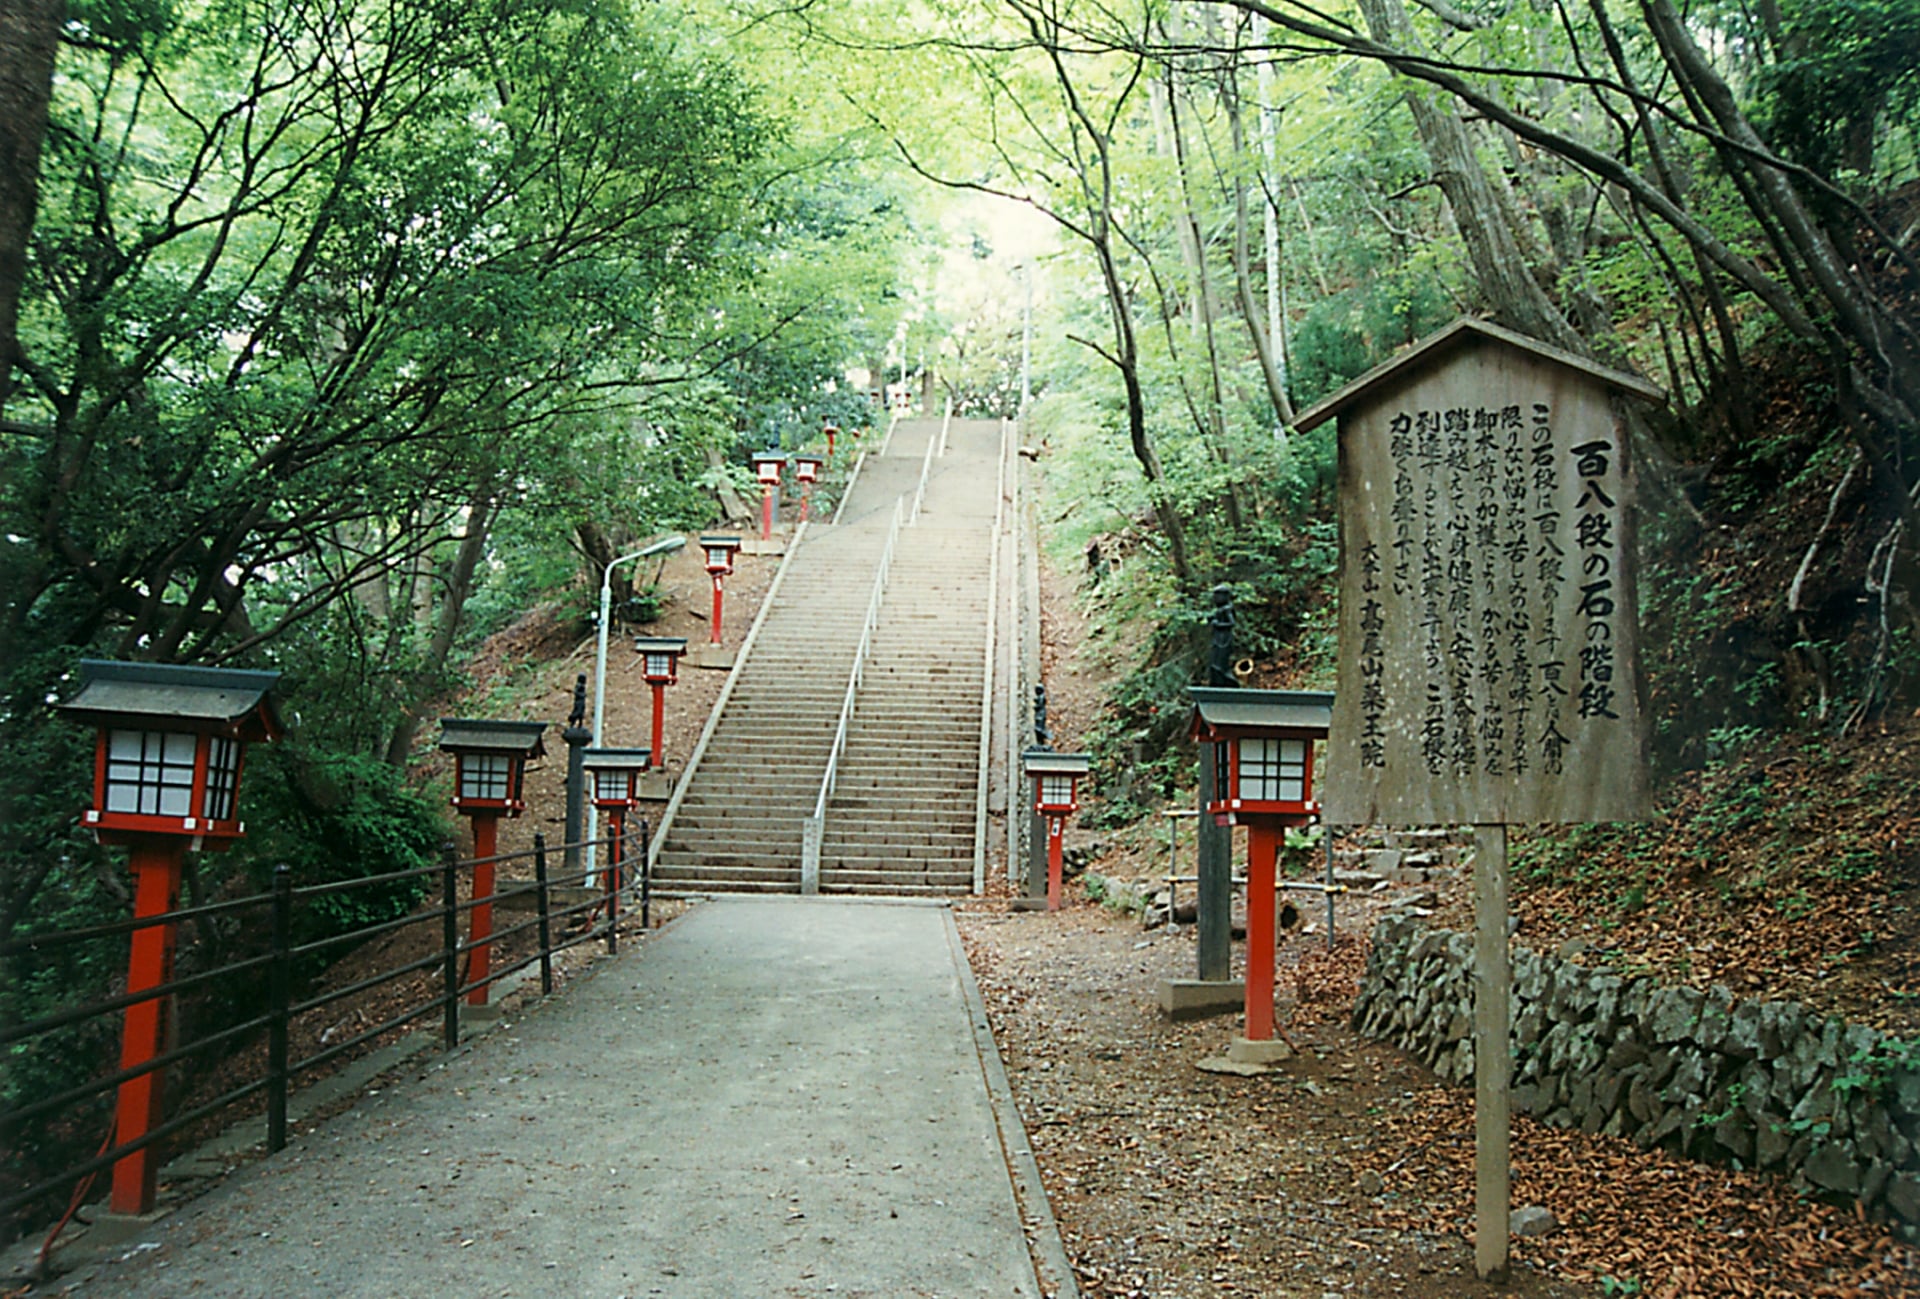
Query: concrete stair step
[[721, 866]]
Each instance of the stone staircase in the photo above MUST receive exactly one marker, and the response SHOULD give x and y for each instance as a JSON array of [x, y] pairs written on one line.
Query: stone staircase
[[903, 817]]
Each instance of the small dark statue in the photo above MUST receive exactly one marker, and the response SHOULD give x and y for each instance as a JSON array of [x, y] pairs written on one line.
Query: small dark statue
[[1220, 656]]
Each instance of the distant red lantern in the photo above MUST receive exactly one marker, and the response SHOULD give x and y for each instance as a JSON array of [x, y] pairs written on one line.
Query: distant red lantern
[[1056, 796], [767, 467], [720, 551], [807, 469], [660, 664], [615, 776]]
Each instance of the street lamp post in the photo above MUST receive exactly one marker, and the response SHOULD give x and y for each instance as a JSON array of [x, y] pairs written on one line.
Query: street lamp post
[[665, 546]]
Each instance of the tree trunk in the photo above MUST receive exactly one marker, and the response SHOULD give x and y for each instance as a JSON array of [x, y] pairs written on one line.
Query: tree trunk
[[1242, 264], [1483, 210], [29, 34], [453, 606]]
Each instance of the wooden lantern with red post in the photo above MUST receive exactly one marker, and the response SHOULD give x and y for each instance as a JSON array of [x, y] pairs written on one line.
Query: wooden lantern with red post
[[720, 552], [806, 468], [490, 764], [829, 430], [614, 776], [1056, 796], [166, 778], [660, 665], [767, 468], [1264, 760]]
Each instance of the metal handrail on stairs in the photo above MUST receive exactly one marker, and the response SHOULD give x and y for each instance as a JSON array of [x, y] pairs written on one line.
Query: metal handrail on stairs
[[920, 491], [682, 785], [984, 757], [813, 828]]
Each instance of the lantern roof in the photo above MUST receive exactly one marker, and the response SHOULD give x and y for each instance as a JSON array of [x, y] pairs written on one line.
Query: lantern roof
[[660, 644], [810, 457], [1045, 762], [1230, 708], [616, 759], [1468, 331], [715, 540], [769, 457], [476, 735], [230, 700]]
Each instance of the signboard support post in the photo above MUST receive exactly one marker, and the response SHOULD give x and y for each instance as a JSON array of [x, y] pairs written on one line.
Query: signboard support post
[[1492, 1053]]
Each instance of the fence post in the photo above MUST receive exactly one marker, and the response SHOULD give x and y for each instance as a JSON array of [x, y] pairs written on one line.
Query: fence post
[[646, 877], [450, 937], [542, 902], [280, 993], [611, 877]]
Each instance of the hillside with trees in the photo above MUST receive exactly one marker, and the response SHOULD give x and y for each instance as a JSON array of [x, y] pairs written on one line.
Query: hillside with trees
[[336, 335]]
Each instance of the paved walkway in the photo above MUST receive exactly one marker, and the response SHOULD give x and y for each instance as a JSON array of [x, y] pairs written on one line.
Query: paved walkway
[[770, 1097]]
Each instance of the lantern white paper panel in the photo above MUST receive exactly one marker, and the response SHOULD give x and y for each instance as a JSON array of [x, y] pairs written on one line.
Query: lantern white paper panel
[[1273, 771], [484, 775], [150, 773]]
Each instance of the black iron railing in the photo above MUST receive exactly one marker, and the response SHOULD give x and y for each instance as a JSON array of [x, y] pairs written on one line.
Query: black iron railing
[[587, 914]]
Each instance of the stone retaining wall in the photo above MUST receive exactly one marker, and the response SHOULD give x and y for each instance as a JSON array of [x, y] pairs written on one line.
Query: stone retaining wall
[[1764, 1084]]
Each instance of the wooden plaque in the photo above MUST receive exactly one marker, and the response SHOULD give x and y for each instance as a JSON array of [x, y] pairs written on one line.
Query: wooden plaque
[[1488, 666]]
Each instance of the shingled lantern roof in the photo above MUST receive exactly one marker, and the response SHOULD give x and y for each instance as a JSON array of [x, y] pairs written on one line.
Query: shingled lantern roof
[[170, 747]]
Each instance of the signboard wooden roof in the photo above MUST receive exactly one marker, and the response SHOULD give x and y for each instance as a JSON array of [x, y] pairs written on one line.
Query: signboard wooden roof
[[1489, 667]]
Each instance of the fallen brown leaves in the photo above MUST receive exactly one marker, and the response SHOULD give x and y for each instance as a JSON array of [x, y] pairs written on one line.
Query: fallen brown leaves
[[1170, 1182]]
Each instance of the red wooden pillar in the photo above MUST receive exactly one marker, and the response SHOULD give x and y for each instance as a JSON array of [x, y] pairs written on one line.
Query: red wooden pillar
[[660, 709], [1056, 826], [715, 639], [766, 513], [616, 834], [806, 499], [156, 863], [1263, 852], [486, 838]]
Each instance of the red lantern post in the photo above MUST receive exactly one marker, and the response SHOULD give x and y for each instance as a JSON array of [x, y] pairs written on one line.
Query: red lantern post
[[807, 469], [166, 778], [615, 774], [767, 466], [660, 664], [720, 553], [490, 762], [1056, 796], [1264, 759], [830, 431]]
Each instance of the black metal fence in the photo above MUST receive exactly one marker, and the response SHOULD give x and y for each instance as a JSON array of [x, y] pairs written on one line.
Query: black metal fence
[[585, 914]]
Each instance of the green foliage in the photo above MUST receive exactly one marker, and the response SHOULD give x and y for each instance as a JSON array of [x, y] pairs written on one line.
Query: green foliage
[[330, 817], [1846, 74]]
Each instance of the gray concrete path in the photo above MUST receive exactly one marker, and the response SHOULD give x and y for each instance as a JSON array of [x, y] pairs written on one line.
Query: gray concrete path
[[771, 1097]]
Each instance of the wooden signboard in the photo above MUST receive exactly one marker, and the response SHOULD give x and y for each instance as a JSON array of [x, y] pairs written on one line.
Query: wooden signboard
[[1489, 665], [1489, 670]]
